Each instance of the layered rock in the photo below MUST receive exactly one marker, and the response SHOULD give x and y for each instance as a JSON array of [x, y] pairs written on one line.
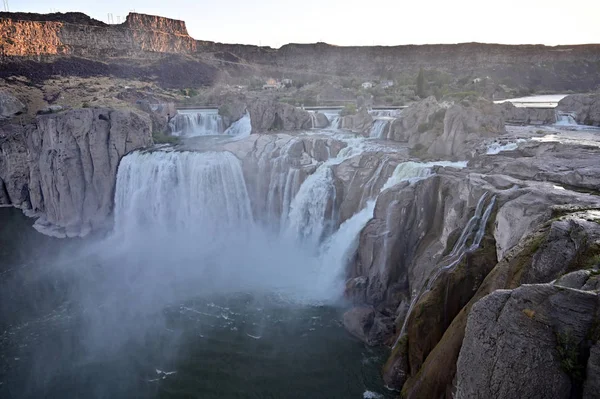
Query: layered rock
[[584, 107], [68, 174]]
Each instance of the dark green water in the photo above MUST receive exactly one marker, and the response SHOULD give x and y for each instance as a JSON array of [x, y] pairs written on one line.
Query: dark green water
[[243, 345]]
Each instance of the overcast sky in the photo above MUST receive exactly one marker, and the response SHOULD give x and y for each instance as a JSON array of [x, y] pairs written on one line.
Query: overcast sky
[[354, 22]]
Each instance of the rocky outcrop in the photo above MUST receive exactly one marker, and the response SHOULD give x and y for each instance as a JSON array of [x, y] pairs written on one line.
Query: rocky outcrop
[[270, 115], [526, 343], [584, 107], [367, 325], [63, 169], [231, 112], [9, 106], [526, 116], [320, 121], [465, 125], [419, 124], [360, 122]]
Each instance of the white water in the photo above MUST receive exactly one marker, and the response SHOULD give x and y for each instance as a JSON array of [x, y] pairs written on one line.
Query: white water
[[196, 123], [388, 113], [497, 147], [240, 128], [474, 231], [414, 171], [378, 128], [565, 119], [334, 118]]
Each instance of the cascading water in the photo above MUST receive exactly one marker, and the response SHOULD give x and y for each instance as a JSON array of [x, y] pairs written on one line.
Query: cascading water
[[240, 128], [473, 232], [388, 113], [565, 119], [196, 123], [498, 147], [379, 127], [334, 118], [414, 171]]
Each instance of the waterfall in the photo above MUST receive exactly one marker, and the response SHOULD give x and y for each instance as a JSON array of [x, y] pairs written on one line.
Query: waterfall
[[196, 123], [334, 118], [387, 113], [473, 231], [172, 192], [565, 119], [415, 171], [378, 128], [313, 119], [240, 128]]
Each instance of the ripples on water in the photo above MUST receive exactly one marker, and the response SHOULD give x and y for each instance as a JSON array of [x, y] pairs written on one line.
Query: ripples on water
[[241, 345]]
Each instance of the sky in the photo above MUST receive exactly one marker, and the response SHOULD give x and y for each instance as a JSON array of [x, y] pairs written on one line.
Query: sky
[[361, 23]]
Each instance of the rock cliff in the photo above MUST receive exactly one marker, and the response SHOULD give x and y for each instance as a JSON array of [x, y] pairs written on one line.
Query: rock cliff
[[63, 169], [585, 108]]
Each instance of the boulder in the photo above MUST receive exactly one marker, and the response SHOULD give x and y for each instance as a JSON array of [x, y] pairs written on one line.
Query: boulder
[[366, 324], [270, 115], [525, 343], [464, 126], [360, 122], [320, 121], [232, 112], [9, 106], [584, 107]]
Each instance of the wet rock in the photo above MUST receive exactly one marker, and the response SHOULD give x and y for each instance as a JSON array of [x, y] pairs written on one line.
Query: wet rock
[[366, 324], [576, 279], [584, 107]]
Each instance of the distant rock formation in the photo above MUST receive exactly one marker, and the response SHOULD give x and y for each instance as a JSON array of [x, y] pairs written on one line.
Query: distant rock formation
[[526, 116], [63, 169], [584, 107]]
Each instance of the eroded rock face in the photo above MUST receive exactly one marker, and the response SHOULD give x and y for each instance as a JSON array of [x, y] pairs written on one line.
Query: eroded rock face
[[269, 115], [416, 121], [9, 106], [584, 107], [360, 122], [64, 169], [465, 125], [512, 342]]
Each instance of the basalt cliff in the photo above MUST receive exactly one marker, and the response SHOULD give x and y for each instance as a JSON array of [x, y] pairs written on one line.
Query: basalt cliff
[[157, 45]]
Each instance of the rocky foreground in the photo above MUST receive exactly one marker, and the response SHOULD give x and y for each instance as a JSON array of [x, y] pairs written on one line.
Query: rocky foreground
[[483, 279]]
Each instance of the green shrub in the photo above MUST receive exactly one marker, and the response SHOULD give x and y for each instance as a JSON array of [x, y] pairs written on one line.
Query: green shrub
[[568, 354], [161, 138], [349, 109]]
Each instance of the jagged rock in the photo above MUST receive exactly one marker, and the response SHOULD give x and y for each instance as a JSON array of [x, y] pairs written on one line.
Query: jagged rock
[[269, 115], [512, 342], [419, 124], [366, 324], [467, 124], [232, 112], [360, 122], [73, 166], [526, 116], [576, 279], [584, 107], [9, 106]]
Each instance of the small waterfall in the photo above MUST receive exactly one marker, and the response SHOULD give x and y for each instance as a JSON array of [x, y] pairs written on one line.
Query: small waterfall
[[565, 119], [386, 113], [166, 192], [240, 128], [378, 128], [334, 119], [415, 171], [313, 119], [473, 231], [196, 123], [497, 147]]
